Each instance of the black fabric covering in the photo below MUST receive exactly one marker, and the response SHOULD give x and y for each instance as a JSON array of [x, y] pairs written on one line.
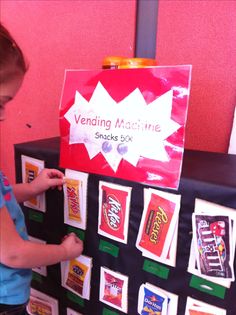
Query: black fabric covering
[[208, 176]]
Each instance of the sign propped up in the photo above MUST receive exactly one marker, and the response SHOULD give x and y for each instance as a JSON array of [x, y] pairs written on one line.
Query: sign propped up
[[126, 123]]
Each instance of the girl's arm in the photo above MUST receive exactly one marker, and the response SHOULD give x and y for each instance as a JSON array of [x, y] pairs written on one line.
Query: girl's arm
[[18, 253], [47, 178]]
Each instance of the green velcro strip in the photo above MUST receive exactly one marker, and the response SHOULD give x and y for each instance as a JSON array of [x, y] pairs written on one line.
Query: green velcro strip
[[109, 248], [36, 216], [106, 311], [156, 269], [37, 277], [78, 232], [207, 286], [75, 298]]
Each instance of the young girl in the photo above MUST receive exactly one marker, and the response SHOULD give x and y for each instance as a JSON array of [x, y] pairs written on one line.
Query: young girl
[[17, 254]]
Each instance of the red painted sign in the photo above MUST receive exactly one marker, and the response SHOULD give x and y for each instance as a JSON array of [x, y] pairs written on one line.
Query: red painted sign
[[126, 123]]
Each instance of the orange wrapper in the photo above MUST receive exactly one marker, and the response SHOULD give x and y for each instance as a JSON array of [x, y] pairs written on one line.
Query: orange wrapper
[[157, 222]]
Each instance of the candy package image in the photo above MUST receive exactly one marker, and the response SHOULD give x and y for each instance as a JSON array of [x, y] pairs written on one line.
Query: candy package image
[[114, 206], [76, 275], [75, 198], [40, 303], [126, 123], [213, 245], [31, 167], [157, 236], [196, 307], [212, 240], [154, 300], [114, 289]]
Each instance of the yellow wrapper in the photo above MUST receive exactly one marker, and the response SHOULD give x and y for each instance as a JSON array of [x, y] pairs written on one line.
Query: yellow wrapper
[[73, 198]]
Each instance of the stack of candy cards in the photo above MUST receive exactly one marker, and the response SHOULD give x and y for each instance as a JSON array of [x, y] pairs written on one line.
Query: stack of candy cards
[[114, 289], [114, 208], [75, 198], [154, 300], [31, 168], [213, 245], [157, 236], [76, 275], [40, 303], [196, 307]]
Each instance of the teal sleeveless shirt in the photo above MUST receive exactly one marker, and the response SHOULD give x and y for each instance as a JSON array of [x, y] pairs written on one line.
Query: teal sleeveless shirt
[[14, 283]]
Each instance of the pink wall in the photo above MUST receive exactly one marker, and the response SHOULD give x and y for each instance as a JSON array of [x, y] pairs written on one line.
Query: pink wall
[[56, 35], [77, 34], [202, 33]]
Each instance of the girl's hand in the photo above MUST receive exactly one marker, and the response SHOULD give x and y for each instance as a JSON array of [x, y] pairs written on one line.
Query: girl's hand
[[47, 178], [72, 245]]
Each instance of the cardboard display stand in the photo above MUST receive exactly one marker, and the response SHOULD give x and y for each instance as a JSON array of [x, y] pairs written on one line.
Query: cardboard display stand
[[206, 176]]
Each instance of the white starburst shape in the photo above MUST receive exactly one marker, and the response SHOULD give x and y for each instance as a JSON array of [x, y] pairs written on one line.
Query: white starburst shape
[[127, 130]]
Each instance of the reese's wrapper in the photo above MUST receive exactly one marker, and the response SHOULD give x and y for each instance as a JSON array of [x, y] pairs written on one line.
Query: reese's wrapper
[[157, 222]]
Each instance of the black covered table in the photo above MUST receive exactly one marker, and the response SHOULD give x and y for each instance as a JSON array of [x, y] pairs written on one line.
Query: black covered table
[[205, 175]]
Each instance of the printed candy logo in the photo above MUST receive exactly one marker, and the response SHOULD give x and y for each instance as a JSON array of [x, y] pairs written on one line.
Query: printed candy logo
[[211, 247], [127, 130], [112, 212], [156, 221], [73, 200], [77, 270]]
